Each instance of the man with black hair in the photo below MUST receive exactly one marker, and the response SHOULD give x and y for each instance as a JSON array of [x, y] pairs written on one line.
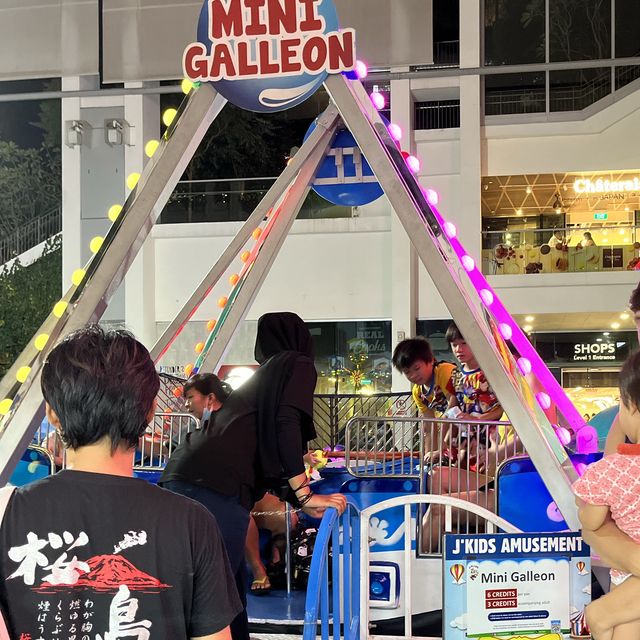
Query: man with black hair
[[92, 552]]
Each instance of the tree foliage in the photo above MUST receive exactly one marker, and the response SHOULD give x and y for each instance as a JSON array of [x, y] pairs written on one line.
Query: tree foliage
[[28, 294]]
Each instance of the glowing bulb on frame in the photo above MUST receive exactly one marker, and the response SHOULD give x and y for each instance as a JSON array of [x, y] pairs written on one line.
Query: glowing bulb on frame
[[487, 297], [23, 373], [432, 197], [5, 405], [563, 435], [114, 212], [395, 132], [132, 180], [505, 330], [151, 147], [233, 279], [244, 256], [378, 101], [450, 229], [96, 244], [59, 308], [199, 348], [524, 365], [222, 302], [580, 468], [543, 400], [188, 370], [468, 263], [413, 163], [78, 276], [41, 341], [211, 325], [361, 70], [256, 233], [169, 116], [186, 85]]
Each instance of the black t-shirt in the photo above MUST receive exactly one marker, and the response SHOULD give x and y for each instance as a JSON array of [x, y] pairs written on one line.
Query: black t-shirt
[[88, 556], [222, 455]]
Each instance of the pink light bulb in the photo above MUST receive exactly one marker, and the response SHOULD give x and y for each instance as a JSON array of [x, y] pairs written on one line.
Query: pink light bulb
[[487, 297], [525, 366], [361, 69], [395, 131], [468, 263], [580, 468], [543, 400], [563, 435], [432, 197], [450, 229], [413, 163], [378, 100], [505, 330]]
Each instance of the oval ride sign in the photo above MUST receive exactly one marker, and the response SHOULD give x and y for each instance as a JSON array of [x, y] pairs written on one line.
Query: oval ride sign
[[268, 55]]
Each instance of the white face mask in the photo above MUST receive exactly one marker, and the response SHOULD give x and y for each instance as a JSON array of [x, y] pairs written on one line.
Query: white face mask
[[205, 415]]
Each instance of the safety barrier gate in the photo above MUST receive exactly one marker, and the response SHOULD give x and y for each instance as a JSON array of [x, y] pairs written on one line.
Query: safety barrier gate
[[342, 606]]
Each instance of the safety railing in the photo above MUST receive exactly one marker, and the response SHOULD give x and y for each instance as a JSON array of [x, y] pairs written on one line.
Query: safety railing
[[410, 505], [333, 589], [447, 457], [160, 439], [30, 235], [437, 114], [561, 250], [332, 412]]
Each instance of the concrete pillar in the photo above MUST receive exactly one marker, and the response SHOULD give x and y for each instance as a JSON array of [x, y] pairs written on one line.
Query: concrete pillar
[[404, 272], [142, 113]]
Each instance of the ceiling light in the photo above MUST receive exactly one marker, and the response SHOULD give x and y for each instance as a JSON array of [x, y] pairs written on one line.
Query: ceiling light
[[518, 212], [615, 325], [626, 208], [529, 189], [558, 210], [598, 339], [625, 316], [529, 319], [527, 328], [605, 333]]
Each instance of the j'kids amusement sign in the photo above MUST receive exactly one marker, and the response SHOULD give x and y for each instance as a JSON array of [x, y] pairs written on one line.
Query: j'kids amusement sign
[[268, 55]]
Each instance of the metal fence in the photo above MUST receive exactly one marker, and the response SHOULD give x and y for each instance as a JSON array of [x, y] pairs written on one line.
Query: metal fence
[[30, 235], [332, 412], [437, 114]]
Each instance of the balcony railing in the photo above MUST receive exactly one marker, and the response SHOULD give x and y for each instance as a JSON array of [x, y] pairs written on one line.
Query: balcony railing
[[526, 251], [233, 200], [437, 114]]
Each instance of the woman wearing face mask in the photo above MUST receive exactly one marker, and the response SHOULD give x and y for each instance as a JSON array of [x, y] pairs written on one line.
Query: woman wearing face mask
[[256, 443]]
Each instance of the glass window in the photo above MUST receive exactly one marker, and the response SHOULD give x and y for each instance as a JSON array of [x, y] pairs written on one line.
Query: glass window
[[514, 93], [580, 30], [576, 89], [513, 31], [627, 21], [352, 357]]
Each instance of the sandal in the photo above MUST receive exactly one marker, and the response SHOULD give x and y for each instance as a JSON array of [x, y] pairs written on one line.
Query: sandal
[[260, 586]]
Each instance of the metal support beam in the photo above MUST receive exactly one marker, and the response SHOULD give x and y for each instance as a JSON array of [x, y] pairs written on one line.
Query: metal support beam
[[411, 207], [329, 120], [293, 201], [108, 268]]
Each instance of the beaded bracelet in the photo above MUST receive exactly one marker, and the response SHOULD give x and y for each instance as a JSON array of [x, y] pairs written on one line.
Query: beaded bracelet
[[305, 498]]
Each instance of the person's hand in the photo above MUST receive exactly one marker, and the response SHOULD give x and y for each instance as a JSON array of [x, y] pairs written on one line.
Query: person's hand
[[432, 457], [311, 458], [318, 504]]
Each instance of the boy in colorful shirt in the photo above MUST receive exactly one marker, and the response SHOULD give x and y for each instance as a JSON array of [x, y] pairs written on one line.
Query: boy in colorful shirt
[[432, 389]]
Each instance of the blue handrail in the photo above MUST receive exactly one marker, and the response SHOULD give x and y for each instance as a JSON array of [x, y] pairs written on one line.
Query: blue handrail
[[325, 601]]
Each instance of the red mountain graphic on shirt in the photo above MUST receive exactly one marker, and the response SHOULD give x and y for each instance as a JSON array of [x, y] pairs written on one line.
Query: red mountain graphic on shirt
[[107, 573]]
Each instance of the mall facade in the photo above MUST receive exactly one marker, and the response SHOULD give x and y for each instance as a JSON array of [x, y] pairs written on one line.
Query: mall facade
[[525, 124]]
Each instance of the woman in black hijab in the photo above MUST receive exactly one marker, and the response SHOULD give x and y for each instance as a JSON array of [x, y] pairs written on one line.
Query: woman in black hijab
[[255, 443]]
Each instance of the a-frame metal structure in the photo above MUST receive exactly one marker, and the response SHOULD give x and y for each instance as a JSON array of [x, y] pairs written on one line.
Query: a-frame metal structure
[[350, 107]]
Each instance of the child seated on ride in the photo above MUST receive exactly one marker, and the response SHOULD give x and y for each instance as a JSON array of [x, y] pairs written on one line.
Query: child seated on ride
[[611, 487], [431, 380]]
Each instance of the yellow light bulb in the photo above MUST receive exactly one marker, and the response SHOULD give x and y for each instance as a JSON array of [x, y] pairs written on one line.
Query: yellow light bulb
[[59, 308], [257, 232], [78, 276], [132, 180], [188, 370], [169, 116], [5, 405], [222, 302], [41, 341], [211, 325], [96, 244], [186, 85], [199, 347], [151, 147], [244, 256], [22, 373], [114, 212], [233, 279]]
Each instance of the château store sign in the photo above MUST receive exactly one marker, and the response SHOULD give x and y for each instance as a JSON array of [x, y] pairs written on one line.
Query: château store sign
[[268, 55]]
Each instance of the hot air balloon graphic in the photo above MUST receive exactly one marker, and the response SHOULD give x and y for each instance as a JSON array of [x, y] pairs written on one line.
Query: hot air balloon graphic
[[580, 566], [457, 571]]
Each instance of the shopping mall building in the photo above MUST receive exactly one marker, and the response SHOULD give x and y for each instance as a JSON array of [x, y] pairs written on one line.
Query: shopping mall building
[[525, 122]]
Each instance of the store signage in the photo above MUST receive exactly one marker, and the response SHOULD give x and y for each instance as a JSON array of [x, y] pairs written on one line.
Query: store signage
[[515, 586], [268, 55], [584, 185], [600, 216], [595, 351]]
